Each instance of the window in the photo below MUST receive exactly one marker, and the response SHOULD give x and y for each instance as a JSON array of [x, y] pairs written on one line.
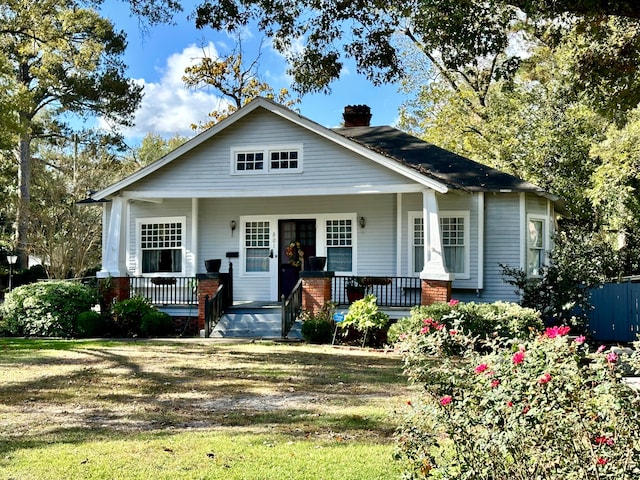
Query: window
[[535, 245], [454, 246], [248, 161], [265, 160], [161, 245], [284, 160], [418, 244], [339, 245], [257, 246], [454, 234]]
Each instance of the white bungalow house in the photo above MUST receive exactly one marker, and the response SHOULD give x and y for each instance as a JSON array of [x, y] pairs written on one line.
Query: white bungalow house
[[375, 201]]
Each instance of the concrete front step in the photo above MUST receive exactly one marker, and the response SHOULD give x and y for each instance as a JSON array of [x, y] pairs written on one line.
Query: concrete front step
[[264, 323]]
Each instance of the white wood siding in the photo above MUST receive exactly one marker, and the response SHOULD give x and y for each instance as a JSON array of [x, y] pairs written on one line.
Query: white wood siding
[[168, 208], [502, 245], [208, 167]]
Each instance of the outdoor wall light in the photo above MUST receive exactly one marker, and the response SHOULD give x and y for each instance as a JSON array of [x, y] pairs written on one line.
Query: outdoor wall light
[[363, 222], [232, 225]]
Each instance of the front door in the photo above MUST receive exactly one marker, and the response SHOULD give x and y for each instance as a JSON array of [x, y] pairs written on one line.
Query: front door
[[297, 241]]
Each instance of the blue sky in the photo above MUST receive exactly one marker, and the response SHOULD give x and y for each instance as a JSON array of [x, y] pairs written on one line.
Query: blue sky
[[157, 59]]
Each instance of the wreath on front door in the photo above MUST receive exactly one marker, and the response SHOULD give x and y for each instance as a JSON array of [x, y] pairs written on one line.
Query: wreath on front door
[[295, 254]]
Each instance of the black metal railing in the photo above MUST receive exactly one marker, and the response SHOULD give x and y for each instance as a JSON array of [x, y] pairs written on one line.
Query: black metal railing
[[291, 308], [390, 291], [213, 309], [166, 290]]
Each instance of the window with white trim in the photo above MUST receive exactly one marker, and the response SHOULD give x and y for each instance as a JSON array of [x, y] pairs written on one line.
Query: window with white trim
[[249, 161], [265, 160], [257, 246], [536, 231], [161, 245], [454, 235], [339, 244]]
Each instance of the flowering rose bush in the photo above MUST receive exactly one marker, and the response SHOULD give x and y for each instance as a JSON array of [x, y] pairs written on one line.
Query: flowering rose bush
[[538, 408]]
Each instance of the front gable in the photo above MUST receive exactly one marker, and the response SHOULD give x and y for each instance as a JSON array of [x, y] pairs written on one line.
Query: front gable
[[225, 165], [205, 166]]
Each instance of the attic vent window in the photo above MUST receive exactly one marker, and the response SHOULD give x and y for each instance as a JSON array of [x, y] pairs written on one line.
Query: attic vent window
[[266, 160]]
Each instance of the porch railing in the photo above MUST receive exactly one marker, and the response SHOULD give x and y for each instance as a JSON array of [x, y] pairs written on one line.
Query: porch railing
[[390, 291], [166, 290], [291, 308], [213, 309]]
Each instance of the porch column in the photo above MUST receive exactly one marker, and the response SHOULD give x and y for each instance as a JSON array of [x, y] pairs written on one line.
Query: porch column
[[113, 264], [316, 290], [207, 285], [436, 280]]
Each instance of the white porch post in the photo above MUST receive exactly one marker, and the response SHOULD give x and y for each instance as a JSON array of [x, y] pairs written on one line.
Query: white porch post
[[434, 268], [113, 264]]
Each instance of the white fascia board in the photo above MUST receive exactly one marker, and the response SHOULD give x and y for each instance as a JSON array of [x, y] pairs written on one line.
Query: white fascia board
[[283, 192], [294, 118]]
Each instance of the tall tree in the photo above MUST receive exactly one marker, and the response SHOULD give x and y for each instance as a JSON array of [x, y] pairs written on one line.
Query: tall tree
[[234, 79], [64, 60]]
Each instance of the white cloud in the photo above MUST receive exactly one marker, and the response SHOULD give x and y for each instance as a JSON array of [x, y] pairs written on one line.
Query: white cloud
[[168, 107]]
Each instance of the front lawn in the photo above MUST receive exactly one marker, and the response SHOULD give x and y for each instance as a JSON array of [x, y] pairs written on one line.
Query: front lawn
[[196, 409]]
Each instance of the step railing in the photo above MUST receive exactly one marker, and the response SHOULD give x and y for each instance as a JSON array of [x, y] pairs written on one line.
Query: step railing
[[291, 308], [390, 291], [213, 310]]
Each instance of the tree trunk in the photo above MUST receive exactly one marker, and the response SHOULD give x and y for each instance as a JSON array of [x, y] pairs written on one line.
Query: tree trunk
[[24, 200]]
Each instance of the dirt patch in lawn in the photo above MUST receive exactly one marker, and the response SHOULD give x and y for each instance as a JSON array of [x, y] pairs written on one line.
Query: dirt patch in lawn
[[102, 388]]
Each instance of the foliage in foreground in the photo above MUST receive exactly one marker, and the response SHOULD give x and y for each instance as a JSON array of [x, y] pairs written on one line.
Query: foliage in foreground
[[136, 316], [45, 308], [482, 321], [540, 408], [366, 320]]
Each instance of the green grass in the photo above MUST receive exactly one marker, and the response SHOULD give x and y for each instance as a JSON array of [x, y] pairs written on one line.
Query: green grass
[[129, 410]]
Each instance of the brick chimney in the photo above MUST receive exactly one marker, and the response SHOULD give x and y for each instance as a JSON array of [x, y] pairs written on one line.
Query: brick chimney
[[356, 116]]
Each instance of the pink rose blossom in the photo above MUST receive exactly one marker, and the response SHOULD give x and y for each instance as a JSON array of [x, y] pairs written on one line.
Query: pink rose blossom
[[546, 378], [602, 461], [481, 368], [495, 382], [602, 440], [580, 340], [553, 332], [509, 403], [601, 349], [612, 357], [453, 303], [453, 332], [446, 400], [424, 330], [518, 357]]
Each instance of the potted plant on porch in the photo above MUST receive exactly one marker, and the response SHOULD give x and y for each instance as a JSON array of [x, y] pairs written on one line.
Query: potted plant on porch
[[355, 289]]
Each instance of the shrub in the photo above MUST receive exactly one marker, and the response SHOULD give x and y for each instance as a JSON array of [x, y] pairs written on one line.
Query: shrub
[[318, 327], [364, 317], [46, 308], [137, 316], [157, 324], [542, 408], [481, 320], [90, 324]]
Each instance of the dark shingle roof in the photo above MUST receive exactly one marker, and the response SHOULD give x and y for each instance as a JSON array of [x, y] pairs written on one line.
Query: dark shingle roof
[[453, 170]]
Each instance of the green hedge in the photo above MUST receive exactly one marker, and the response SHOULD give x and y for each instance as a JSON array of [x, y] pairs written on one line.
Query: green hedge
[[47, 309]]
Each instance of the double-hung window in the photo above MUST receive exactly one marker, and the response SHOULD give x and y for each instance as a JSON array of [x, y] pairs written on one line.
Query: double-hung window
[[339, 244], [266, 160], [454, 235], [161, 245], [536, 232], [257, 246]]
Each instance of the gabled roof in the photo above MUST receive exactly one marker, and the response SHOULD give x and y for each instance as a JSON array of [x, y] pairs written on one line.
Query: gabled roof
[[454, 170], [405, 154]]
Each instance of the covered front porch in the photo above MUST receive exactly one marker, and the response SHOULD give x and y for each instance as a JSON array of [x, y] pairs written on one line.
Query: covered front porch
[[203, 300]]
